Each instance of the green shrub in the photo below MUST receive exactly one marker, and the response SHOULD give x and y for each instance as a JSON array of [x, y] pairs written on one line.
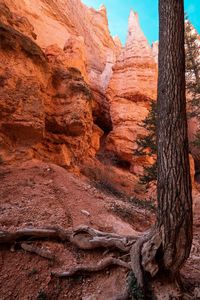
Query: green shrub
[[42, 295], [135, 291]]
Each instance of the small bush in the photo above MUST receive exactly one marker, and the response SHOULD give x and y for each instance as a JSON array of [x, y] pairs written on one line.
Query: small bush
[[109, 188], [123, 212], [42, 295], [146, 203], [103, 179], [135, 291], [32, 272]]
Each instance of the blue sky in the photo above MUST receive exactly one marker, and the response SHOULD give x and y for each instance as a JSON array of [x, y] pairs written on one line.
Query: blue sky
[[118, 12]]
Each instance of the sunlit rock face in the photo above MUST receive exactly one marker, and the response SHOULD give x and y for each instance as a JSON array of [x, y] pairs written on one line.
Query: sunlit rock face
[[73, 26], [45, 104], [55, 22], [54, 121], [154, 47], [131, 87], [23, 69], [77, 80]]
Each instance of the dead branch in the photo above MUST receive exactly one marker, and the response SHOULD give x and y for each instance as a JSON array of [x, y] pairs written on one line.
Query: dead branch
[[104, 263], [41, 252]]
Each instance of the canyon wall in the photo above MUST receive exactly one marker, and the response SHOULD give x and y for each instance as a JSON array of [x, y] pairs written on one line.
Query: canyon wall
[[46, 107], [65, 82], [52, 84], [83, 33]]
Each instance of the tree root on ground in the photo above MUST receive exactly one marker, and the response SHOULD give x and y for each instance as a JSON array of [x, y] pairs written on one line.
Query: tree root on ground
[[41, 252], [143, 254], [141, 248], [83, 237], [104, 263]]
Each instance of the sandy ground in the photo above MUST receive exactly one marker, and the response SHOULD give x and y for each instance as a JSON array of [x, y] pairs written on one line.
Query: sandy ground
[[40, 194]]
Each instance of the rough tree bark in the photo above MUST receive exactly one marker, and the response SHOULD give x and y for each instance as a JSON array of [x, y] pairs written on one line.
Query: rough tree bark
[[174, 218], [168, 244]]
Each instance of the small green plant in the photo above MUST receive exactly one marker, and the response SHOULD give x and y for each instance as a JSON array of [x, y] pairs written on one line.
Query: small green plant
[[123, 212], [109, 188], [146, 203], [103, 179], [147, 145], [196, 143], [136, 293], [33, 271], [42, 295]]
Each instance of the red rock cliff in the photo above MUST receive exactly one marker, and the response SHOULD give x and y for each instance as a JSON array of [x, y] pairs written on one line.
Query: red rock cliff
[[63, 76], [46, 106], [83, 32]]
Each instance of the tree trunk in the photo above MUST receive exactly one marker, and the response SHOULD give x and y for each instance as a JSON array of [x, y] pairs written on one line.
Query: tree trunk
[[174, 218]]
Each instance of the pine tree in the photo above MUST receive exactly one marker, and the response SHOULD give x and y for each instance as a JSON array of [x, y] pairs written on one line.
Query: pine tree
[[147, 145], [171, 237], [192, 50], [174, 213]]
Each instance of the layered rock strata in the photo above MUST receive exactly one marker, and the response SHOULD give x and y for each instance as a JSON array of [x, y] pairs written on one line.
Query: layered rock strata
[[59, 86], [84, 35], [45, 105], [132, 86]]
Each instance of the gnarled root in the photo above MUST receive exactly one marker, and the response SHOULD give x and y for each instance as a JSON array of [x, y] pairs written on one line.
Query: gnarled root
[[83, 237], [104, 263], [41, 252], [142, 248], [143, 255]]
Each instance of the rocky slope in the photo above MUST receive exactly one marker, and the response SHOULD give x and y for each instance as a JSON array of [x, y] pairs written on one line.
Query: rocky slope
[[37, 194]]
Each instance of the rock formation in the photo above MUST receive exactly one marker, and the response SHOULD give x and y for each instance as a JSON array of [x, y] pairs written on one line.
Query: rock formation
[[52, 82], [54, 104], [154, 47], [73, 26], [65, 82], [46, 106], [131, 87]]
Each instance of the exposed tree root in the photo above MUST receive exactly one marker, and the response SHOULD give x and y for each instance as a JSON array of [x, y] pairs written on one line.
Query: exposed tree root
[[143, 255], [104, 263], [83, 237], [142, 248], [135, 254], [41, 252]]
